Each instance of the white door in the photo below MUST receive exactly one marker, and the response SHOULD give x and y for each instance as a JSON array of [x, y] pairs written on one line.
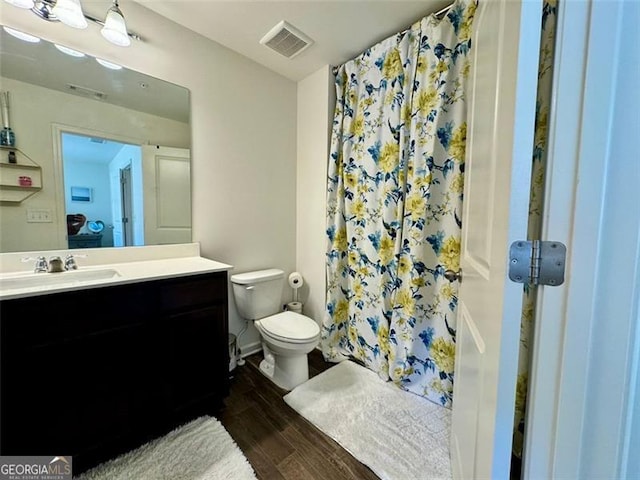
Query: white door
[[127, 207], [503, 86], [166, 176], [116, 208]]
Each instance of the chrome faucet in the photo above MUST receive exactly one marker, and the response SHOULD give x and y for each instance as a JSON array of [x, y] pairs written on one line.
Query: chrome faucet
[[70, 263], [56, 265], [41, 265]]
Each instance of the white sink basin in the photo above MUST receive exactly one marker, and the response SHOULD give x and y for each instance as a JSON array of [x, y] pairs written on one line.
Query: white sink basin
[[73, 277]]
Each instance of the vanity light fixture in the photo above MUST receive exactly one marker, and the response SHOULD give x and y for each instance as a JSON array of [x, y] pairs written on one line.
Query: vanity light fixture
[[21, 35], [70, 13]]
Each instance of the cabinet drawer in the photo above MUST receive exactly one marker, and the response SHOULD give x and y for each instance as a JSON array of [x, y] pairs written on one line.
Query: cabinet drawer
[[53, 318], [194, 291]]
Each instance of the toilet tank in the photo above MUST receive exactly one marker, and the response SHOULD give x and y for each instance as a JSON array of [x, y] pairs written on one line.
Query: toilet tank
[[258, 294]]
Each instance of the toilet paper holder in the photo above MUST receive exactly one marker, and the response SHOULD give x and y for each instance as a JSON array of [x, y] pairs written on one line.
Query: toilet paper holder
[[294, 307], [295, 282]]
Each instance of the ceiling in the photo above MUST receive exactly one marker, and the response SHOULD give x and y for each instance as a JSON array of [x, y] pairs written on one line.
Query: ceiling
[[341, 29], [80, 148]]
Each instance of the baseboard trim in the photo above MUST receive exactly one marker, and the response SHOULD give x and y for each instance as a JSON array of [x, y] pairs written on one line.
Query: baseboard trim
[[250, 349], [255, 347]]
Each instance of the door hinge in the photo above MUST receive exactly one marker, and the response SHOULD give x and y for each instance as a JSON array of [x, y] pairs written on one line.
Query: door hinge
[[537, 262]]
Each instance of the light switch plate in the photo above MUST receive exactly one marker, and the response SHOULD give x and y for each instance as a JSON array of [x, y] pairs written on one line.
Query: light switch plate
[[39, 215]]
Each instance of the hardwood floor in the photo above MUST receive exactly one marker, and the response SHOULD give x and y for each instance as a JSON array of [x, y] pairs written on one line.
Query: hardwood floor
[[279, 443]]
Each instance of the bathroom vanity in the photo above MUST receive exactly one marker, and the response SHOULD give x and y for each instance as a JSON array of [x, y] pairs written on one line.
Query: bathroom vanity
[[93, 371]]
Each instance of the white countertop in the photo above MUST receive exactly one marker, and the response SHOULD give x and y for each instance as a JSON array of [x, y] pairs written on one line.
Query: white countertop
[[156, 263]]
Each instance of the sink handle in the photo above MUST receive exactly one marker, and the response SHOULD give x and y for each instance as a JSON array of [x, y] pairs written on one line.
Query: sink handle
[[70, 261], [41, 263]]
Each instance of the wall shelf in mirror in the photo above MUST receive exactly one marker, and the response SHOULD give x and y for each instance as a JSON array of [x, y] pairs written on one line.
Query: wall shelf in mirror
[[19, 180]]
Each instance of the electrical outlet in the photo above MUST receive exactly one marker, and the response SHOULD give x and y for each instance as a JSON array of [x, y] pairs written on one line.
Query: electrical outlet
[[40, 215]]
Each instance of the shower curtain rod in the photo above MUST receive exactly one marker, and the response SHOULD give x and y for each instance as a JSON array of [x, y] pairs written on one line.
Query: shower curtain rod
[[437, 14]]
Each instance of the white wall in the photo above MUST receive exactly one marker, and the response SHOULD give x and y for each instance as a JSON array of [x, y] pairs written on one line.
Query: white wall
[[316, 96], [243, 119], [96, 177]]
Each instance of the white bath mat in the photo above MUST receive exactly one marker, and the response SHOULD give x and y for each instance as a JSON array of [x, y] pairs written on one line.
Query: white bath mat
[[397, 434], [199, 450]]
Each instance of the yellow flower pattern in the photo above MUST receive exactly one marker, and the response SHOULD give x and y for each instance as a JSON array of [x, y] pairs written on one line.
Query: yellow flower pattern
[[458, 143], [351, 180], [386, 252], [357, 126], [427, 100], [358, 209], [416, 205], [389, 157], [450, 253], [342, 311], [404, 265], [340, 240], [394, 198], [392, 66], [443, 353]]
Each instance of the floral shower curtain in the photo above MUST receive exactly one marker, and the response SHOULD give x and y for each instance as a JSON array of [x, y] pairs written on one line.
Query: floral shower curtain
[[394, 204], [536, 197]]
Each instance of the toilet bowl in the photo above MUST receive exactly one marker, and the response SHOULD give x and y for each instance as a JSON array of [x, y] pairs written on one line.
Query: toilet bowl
[[287, 337]]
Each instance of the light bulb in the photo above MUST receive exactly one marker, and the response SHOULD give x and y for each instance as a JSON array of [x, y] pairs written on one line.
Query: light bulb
[[112, 66], [21, 3], [70, 13], [21, 35], [69, 51], [114, 29]]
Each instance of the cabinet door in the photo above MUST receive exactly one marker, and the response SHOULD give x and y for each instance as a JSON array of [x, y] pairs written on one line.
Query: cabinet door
[[198, 360], [73, 396], [75, 383]]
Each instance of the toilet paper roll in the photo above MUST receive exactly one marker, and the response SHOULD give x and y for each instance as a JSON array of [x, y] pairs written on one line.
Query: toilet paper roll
[[294, 307], [295, 280]]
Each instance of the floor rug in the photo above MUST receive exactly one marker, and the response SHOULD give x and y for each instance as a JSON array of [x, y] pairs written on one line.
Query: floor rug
[[199, 450], [397, 434]]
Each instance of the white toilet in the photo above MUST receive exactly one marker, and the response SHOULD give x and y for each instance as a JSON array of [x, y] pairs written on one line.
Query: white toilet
[[287, 337]]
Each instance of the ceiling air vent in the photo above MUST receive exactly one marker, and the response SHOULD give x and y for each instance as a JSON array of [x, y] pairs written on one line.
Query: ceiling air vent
[[87, 92], [286, 40]]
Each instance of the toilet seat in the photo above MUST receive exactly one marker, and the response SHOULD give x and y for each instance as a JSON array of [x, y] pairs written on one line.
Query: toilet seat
[[290, 327]]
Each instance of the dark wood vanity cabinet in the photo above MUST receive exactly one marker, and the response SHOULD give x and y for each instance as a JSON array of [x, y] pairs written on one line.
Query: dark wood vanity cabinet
[[95, 372]]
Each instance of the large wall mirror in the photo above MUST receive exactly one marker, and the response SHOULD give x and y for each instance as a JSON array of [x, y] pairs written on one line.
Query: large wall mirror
[[112, 146]]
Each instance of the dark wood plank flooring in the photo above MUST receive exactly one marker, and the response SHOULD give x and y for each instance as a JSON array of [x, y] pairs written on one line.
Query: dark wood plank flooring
[[279, 443]]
